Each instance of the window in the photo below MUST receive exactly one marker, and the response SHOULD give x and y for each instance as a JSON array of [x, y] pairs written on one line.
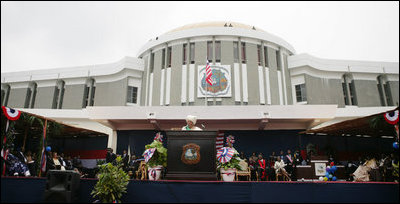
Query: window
[[353, 93], [151, 62], [4, 99], [266, 56], [34, 91], [209, 51], [163, 59], [278, 60], [169, 54], [184, 57], [192, 53], [89, 93], [85, 96], [344, 87], [259, 55], [217, 51], [388, 94], [236, 52], [58, 95], [243, 46], [210, 103], [132, 94], [28, 97], [301, 92]]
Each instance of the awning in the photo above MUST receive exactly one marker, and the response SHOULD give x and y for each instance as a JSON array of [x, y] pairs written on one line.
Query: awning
[[372, 125]]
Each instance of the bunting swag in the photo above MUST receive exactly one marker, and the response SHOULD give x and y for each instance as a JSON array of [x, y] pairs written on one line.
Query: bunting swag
[[10, 113], [392, 117]]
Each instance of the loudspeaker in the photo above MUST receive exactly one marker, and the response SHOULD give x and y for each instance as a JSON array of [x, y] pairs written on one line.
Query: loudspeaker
[[62, 186]]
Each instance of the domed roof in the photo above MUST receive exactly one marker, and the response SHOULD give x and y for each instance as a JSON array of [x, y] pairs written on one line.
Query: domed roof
[[214, 24]]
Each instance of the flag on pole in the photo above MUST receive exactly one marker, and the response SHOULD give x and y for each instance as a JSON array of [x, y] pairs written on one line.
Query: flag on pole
[[43, 162], [208, 74], [219, 142]]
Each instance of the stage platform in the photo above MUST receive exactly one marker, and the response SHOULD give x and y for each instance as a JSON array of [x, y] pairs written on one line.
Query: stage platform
[[31, 190]]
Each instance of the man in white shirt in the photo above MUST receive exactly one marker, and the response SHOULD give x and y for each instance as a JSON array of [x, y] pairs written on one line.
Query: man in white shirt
[[191, 121]]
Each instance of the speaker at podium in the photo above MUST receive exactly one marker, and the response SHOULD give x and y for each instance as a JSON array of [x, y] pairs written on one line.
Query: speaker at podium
[[62, 186]]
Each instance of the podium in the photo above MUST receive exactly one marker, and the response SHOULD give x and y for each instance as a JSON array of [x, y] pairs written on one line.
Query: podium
[[191, 155]]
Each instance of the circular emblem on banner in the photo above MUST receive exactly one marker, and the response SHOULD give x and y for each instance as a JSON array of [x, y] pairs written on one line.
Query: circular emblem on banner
[[190, 154], [11, 114], [392, 117]]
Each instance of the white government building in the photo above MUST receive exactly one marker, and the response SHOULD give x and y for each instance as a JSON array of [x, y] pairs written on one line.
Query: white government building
[[259, 83]]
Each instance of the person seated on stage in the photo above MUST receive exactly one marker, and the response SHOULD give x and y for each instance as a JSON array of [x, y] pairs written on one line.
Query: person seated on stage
[[395, 165], [261, 168], [253, 155], [272, 157], [281, 155], [242, 156], [280, 168], [31, 163], [68, 163], [270, 169], [252, 165], [15, 167], [57, 162], [190, 123], [289, 162], [133, 165], [362, 172]]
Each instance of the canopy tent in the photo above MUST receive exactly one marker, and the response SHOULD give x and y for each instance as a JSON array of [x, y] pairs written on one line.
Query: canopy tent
[[372, 125]]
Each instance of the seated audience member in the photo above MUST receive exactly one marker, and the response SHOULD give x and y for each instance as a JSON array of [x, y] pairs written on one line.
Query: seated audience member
[[49, 162], [133, 165], [281, 155], [125, 160], [270, 169], [15, 167], [110, 157], [77, 163], [362, 172], [272, 157], [395, 165], [289, 162], [252, 166], [280, 168], [261, 168], [255, 158], [68, 163], [242, 156], [31, 163], [20, 155], [57, 162]]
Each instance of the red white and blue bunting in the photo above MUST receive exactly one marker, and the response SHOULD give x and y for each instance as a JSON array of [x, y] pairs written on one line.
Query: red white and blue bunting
[[230, 139], [148, 154], [225, 154], [10, 113], [392, 117], [159, 137]]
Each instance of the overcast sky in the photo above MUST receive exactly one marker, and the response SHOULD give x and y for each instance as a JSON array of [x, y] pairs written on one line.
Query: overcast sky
[[42, 35]]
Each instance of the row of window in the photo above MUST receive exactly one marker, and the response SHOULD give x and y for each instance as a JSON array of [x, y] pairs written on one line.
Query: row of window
[[349, 92], [210, 54], [58, 96]]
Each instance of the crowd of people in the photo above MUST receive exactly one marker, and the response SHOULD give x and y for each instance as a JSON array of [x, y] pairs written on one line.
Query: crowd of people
[[266, 168], [130, 163]]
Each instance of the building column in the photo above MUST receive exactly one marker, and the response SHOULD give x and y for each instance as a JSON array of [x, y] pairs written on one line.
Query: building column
[[112, 140]]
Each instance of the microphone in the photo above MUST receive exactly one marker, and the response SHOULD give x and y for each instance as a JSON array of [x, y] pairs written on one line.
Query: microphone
[[203, 126]]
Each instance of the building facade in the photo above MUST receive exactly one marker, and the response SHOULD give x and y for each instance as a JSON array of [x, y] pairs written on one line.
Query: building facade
[[249, 66]]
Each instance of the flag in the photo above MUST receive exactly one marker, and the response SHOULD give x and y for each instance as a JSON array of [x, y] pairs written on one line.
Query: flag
[[219, 142], [43, 162], [208, 74]]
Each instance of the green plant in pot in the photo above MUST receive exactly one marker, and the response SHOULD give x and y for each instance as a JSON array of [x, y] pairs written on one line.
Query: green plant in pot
[[228, 160], [155, 156], [113, 182]]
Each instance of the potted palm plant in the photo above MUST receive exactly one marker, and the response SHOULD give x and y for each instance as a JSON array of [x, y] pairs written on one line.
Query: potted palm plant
[[155, 157], [228, 160], [113, 182]]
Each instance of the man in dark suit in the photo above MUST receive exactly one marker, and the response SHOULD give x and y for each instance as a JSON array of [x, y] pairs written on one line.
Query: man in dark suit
[[125, 160], [289, 162], [110, 157]]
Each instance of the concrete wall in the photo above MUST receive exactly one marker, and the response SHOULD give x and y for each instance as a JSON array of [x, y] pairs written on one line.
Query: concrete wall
[[44, 97], [17, 97], [200, 59], [324, 91], [176, 75], [111, 93], [144, 81], [288, 81], [73, 96], [157, 78], [227, 59], [367, 93], [273, 76], [252, 74]]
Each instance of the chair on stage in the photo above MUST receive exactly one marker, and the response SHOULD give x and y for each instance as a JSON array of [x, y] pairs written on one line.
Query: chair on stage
[[279, 174], [246, 172], [142, 171]]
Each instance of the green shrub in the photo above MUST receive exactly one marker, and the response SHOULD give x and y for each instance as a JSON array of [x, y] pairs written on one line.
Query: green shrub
[[113, 182], [160, 155]]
